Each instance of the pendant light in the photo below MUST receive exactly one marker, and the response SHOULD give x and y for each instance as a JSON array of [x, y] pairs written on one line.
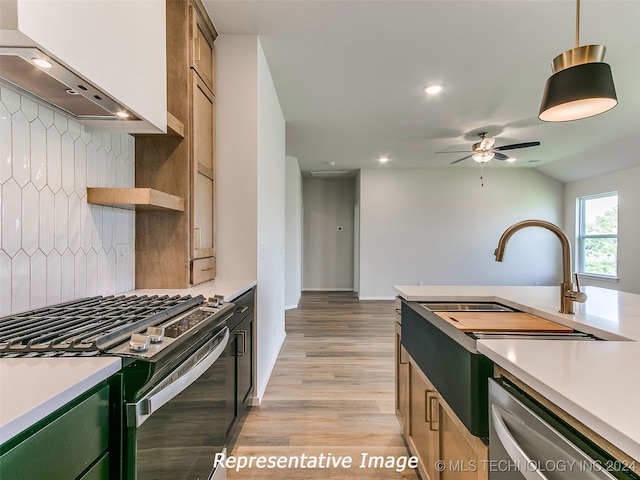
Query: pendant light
[[581, 85]]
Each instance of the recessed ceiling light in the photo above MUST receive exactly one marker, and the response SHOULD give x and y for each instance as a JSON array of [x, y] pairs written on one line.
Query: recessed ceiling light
[[383, 159], [122, 114], [42, 63], [511, 159], [433, 89]]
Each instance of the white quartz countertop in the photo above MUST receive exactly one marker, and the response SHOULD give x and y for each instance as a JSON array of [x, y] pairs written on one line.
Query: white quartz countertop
[[229, 288], [32, 388], [595, 382]]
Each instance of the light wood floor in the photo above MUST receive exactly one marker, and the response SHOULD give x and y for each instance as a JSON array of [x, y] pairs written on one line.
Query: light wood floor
[[331, 394]]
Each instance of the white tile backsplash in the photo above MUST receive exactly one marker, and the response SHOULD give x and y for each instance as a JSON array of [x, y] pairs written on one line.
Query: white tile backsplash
[[38, 154], [53, 245], [11, 216], [5, 144]]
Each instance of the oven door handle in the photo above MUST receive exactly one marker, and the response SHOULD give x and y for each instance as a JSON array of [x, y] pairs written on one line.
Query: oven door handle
[[514, 450], [139, 412]]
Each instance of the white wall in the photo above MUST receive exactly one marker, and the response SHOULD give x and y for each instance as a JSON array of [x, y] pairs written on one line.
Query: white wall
[[250, 196], [440, 226], [271, 224], [236, 157], [626, 183], [54, 246], [293, 233], [328, 254]]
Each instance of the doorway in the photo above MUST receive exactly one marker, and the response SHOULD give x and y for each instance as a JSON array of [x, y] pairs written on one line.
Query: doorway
[[329, 234]]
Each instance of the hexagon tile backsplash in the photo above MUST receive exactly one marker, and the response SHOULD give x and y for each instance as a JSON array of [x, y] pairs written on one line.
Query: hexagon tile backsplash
[[55, 247]]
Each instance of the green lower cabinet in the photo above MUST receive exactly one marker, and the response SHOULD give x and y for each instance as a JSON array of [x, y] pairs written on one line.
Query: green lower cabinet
[[100, 471], [72, 446]]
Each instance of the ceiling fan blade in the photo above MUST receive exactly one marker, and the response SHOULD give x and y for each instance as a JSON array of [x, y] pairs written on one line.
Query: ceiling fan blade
[[517, 145], [460, 159], [499, 156]]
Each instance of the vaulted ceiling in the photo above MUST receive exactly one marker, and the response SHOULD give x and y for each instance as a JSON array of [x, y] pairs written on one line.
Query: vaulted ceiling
[[349, 75]]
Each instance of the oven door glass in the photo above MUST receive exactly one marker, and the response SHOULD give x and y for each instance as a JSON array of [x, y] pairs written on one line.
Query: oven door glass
[[176, 430]]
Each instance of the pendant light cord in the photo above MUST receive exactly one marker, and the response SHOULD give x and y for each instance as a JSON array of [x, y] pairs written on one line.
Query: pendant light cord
[[577, 23]]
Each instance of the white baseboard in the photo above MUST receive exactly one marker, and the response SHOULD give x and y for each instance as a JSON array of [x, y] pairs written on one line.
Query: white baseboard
[[376, 298], [289, 307], [257, 399], [327, 289]]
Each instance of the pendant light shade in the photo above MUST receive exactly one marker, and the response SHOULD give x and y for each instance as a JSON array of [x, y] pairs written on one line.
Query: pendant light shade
[[581, 85], [578, 91]]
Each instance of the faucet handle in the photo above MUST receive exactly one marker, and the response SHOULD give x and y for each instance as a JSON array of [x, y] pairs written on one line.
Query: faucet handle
[[576, 295]]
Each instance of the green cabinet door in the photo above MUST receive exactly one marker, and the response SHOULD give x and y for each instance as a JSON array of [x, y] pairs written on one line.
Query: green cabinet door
[[75, 444]]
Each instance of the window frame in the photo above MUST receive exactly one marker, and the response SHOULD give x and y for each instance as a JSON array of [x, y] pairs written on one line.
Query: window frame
[[581, 236]]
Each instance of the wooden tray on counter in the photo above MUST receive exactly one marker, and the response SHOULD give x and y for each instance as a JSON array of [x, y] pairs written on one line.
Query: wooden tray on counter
[[500, 322]]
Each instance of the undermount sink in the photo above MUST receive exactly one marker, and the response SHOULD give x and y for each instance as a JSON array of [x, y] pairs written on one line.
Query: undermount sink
[[466, 307]]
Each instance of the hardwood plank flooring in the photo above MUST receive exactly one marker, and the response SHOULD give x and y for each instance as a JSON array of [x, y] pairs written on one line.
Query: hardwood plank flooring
[[331, 395]]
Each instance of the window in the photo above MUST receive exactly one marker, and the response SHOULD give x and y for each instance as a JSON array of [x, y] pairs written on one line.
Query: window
[[598, 235]]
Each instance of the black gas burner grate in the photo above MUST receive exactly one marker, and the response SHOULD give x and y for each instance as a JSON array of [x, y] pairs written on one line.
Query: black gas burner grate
[[89, 325]]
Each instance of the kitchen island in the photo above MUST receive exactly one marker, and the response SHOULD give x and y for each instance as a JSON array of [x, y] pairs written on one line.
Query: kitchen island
[[596, 383]]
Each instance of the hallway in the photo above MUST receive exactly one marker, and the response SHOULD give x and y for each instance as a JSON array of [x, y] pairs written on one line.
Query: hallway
[[330, 402]]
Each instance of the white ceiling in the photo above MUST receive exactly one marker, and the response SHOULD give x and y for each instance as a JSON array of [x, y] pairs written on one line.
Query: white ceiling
[[349, 76]]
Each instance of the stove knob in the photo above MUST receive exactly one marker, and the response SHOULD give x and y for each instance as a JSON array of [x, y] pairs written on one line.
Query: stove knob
[[156, 334], [139, 342]]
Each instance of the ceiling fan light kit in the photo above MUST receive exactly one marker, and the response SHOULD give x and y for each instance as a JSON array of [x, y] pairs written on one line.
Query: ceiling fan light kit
[[485, 150], [581, 85], [482, 157]]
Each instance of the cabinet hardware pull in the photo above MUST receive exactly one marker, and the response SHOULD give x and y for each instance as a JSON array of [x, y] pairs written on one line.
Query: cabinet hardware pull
[[242, 309], [207, 269], [402, 362], [427, 410], [242, 333], [434, 414], [198, 238]]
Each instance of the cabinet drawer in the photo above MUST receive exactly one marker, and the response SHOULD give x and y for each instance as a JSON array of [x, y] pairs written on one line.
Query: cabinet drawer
[[64, 448], [244, 307], [203, 270]]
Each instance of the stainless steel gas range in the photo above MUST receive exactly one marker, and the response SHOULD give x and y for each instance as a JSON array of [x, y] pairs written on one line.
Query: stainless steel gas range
[[174, 407]]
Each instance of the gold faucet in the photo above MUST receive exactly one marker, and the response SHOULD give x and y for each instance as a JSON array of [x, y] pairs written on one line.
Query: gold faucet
[[567, 294]]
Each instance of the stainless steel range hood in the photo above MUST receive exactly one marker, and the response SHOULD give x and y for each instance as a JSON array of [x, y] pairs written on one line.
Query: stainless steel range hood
[[58, 86]]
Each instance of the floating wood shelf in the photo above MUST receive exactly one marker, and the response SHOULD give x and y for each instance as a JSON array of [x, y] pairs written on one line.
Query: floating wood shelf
[[135, 198], [175, 128]]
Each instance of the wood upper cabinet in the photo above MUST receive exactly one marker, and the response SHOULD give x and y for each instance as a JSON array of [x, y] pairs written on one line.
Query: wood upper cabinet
[[202, 52], [177, 249], [203, 178], [204, 108]]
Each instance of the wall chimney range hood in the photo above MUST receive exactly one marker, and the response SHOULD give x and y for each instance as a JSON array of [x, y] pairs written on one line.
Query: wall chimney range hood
[[57, 85]]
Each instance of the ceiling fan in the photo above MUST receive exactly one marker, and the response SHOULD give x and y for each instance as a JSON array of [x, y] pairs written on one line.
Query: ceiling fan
[[484, 150]]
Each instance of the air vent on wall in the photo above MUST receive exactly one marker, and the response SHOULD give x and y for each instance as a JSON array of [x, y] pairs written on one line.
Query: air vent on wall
[[331, 173]]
